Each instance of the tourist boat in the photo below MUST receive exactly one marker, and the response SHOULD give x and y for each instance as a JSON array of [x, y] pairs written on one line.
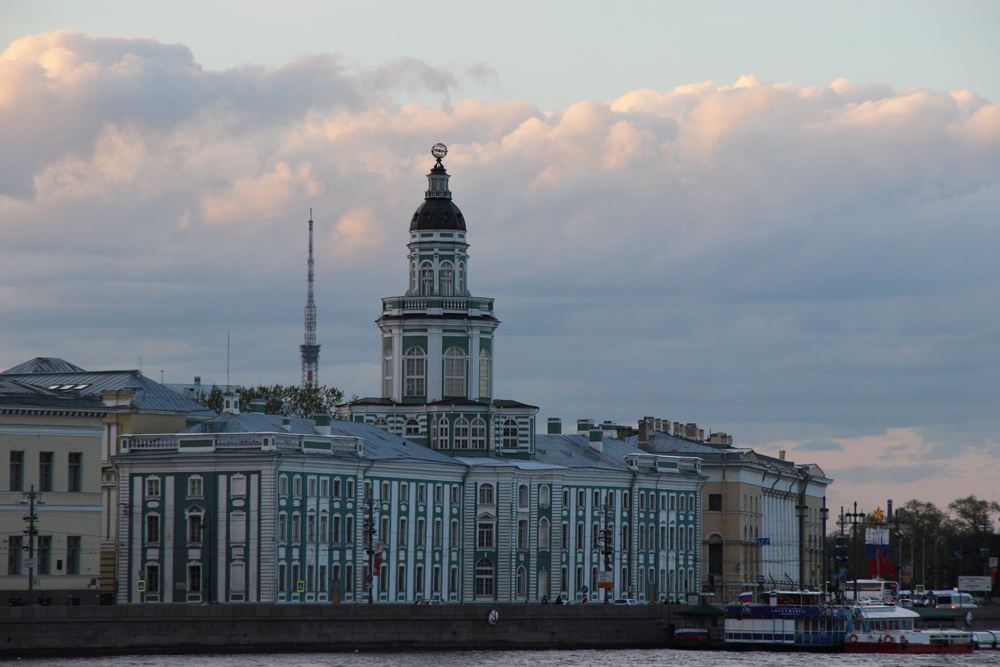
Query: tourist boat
[[886, 628], [789, 621]]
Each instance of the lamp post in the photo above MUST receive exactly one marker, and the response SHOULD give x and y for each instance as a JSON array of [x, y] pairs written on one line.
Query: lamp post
[[985, 550], [31, 498], [824, 513], [898, 524], [853, 518]]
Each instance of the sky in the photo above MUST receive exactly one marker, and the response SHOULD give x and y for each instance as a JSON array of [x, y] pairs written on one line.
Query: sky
[[777, 220]]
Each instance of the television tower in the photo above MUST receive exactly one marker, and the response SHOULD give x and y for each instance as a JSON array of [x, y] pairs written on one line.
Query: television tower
[[310, 350]]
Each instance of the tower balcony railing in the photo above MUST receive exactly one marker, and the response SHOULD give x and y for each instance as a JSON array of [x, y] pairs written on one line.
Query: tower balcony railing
[[267, 442], [472, 305]]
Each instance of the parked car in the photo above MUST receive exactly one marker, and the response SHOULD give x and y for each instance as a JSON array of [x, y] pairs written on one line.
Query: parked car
[[627, 601], [950, 600]]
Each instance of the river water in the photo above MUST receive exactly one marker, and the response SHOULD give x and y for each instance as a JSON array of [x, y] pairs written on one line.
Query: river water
[[626, 658]]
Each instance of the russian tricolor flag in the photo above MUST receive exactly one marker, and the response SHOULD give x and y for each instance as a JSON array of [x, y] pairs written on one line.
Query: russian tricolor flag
[[746, 598]]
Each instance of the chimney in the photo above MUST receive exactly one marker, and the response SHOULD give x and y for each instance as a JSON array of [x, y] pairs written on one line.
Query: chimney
[[323, 424], [584, 425], [643, 441], [597, 439], [257, 406], [701, 434], [781, 454], [609, 429], [231, 402], [197, 381], [658, 425], [555, 426], [691, 431], [286, 424], [679, 429]]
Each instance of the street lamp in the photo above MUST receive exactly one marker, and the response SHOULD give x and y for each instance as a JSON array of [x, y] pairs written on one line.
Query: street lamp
[[853, 518]]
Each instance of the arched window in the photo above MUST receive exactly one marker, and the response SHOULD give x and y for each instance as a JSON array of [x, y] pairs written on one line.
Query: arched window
[[522, 496], [442, 433], [426, 279], [461, 280], [543, 533], [416, 371], [484, 577], [381, 423], [485, 494], [522, 577], [484, 373], [387, 372], [447, 279], [478, 434], [510, 434], [543, 496], [413, 277], [412, 427], [461, 433], [454, 372]]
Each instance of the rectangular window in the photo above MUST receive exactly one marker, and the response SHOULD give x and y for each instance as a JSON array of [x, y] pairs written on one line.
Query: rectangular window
[[196, 488], [282, 586], [283, 486], [439, 494], [324, 528], [349, 529], [194, 528], [522, 534], [296, 528], [437, 533], [194, 578], [324, 487], [310, 578], [597, 499], [404, 492], [349, 489], [564, 544], [45, 464], [152, 529], [579, 578], [715, 502], [421, 533], [295, 578], [386, 490], [15, 545], [311, 528], [485, 536], [17, 471], [336, 488], [455, 496], [348, 578], [454, 538], [297, 486], [239, 486], [404, 526], [75, 481], [422, 493], [44, 553], [322, 579], [282, 527], [73, 549], [581, 498], [312, 487], [153, 487], [336, 572], [336, 529], [152, 578], [715, 558], [453, 580]]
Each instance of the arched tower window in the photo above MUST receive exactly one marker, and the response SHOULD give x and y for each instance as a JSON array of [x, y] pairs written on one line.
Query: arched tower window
[[461, 279], [484, 373], [387, 372], [426, 279], [461, 433], [543, 533], [447, 279], [416, 372], [412, 427], [478, 433], [413, 277], [381, 423], [442, 433], [485, 494], [454, 372]]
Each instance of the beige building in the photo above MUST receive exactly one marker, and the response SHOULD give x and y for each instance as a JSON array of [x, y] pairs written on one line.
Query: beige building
[[130, 403], [51, 443]]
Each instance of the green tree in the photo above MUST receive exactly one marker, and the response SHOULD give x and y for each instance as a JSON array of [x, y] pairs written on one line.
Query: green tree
[[969, 513], [293, 400], [212, 400]]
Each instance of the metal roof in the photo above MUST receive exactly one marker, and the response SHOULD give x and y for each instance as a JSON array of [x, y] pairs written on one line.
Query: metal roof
[[149, 395], [13, 391], [44, 365], [574, 451], [662, 443]]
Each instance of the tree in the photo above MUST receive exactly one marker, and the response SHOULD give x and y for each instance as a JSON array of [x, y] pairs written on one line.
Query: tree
[[293, 400], [212, 400], [970, 513]]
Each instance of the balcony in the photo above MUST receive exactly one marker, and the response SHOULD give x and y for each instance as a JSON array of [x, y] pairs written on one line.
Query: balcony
[[267, 442], [436, 305]]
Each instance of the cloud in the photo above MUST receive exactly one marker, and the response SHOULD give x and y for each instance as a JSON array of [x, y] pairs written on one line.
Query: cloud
[[759, 257]]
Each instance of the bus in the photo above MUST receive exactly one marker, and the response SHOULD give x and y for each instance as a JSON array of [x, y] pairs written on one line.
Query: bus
[[872, 590]]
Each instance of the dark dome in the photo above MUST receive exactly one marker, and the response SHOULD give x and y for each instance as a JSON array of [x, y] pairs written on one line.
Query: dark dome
[[437, 214]]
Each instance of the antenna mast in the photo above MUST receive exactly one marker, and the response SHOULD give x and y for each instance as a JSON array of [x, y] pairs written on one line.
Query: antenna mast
[[310, 350]]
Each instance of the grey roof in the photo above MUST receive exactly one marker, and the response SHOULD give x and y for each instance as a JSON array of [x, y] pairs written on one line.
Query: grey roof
[[507, 403], [437, 212], [149, 395], [44, 365], [379, 444], [662, 443], [574, 451], [15, 392]]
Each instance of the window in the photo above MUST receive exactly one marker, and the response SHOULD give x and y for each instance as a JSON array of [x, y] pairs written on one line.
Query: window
[[485, 494], [597, 499], [386, 491], [522, 534], [564, 536], [336, 488], [153, 487], [579, 536], [384, 534], [454, 372], [416, 371], [324, 487], [421, 493], [595, 534], [152, 529], [324, 525], [461, 433], [194, 528], [642, 500], [715, 558], [478, 434], [581, 498], [485, 536], [296, 528], [296, 486], [348, 578], [509, 434], [196, 487], [45, 471], [672, 538], [715, 502], [521, 582], [690, 538], [543, 496], [194, 578], [453, 580], [522, 496], [312, 487], [387, 372], [412, 427], [413, 277], [17, 471], [439, 494], [44, 553], [564, 579], [437, 533], [565, 497], [683, 503], [543, 533], [75, 480], [579, 577], [426, 279], [73, 550], [461, 278], [421, 533], [349, 529], [401, 579], [350, 488], [418, 579], [336, 529], [15, 547], [152, 578], [456, 497], [239, 486], [282, 527], [447, 279], [436, 580], [403, 530], [404, 492], [383, 579], [442, 433], [484, 577], [283, 485], [642, 536], [673, 501], [484, 373]]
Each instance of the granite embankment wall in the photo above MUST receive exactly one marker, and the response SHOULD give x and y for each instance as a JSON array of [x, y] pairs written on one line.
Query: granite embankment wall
[[77, 631]]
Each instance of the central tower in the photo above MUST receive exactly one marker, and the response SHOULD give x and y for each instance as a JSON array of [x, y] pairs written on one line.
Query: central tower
[[437, 345]]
